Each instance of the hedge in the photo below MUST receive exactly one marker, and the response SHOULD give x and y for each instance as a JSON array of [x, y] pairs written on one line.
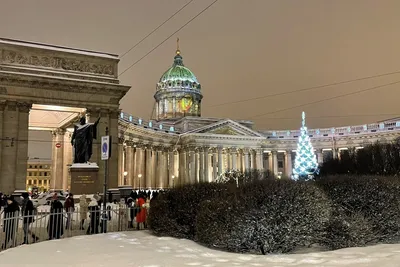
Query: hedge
[[281, 216]]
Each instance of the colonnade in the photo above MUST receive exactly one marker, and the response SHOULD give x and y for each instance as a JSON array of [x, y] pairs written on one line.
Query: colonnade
[[152, 166]]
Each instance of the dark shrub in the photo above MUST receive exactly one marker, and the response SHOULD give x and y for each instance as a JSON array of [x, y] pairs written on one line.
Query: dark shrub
[[268, 216], [348, 230], [174, 212], [272, 216], [374, 199]]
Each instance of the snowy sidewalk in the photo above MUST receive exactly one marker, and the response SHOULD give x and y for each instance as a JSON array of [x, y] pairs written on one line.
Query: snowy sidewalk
[[140, 249]]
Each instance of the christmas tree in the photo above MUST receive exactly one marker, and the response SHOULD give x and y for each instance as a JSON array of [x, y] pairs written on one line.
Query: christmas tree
[[305, 164]]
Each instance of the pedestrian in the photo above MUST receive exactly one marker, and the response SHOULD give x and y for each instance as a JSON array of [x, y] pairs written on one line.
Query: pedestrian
[[10, 224], [56, 220], [83, 210], [69, 206], [28, 212]]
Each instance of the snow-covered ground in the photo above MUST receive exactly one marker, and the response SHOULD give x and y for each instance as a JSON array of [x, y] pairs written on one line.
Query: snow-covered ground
[[141, 249]]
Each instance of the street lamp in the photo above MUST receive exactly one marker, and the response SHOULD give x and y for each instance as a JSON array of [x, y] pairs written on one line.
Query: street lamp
[[139, 176], [173, 177]]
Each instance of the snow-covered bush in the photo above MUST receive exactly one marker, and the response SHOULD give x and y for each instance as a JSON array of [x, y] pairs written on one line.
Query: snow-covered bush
[[373, 200], [265, 217], [174, 212], [272, 216]]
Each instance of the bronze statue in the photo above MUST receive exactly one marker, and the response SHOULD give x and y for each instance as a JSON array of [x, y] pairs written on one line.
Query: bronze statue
[[82, 140]]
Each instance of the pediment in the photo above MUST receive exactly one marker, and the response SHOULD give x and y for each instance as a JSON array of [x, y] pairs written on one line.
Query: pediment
[[227, 127]]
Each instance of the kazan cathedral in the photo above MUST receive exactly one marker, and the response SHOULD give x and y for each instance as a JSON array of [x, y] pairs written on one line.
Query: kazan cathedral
[[180, 146]]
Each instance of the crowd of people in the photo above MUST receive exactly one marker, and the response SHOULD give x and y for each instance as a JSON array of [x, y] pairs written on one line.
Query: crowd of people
[[133, 209]]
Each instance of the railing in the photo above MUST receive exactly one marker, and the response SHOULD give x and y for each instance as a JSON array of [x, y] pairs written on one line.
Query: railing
[[47, 225], [163, 127], [283, 134]]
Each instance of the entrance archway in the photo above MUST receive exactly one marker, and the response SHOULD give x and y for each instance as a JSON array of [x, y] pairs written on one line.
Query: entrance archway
[[45, 75]]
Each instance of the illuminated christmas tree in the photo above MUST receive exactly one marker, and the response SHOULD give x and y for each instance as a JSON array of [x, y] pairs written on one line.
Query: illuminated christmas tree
[[305, 165]]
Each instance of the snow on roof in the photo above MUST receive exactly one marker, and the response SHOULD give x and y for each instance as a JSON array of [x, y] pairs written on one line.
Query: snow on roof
[[57, 48]]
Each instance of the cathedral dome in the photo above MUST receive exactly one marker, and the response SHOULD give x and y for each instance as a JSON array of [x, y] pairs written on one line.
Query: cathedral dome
[[178, 72], [178, 76], [178, 92]]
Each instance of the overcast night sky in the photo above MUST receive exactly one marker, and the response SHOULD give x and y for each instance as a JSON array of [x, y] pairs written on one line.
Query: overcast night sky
[[238, 49]]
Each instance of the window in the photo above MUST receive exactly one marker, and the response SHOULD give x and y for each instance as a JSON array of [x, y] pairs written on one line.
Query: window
[[45, 173]]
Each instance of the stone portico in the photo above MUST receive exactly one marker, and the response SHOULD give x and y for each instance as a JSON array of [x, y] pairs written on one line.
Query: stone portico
[[56, 77]]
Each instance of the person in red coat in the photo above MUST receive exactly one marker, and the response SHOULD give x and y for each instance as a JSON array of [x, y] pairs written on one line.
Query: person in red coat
[[142, 212]]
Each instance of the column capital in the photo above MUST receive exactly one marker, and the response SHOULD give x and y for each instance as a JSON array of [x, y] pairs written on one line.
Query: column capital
[[24, 107], [11, 105], [58, 131], [95, 112], [121, 140], [115, 113], [129, 143]]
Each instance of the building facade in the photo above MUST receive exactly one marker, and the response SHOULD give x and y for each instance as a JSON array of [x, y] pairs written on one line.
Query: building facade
[[38, 175], [179, 146], [47, 87]]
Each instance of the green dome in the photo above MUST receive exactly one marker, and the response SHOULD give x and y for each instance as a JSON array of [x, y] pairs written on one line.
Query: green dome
[[178, 72]]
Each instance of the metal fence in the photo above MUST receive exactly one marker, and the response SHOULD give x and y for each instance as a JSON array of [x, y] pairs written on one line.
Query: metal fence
[[45, 225]]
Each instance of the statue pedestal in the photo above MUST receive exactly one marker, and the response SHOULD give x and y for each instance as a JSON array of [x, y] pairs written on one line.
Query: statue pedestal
[[84, 179]]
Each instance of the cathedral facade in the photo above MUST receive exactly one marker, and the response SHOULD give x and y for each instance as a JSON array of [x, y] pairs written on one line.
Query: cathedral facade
[[179, 146]]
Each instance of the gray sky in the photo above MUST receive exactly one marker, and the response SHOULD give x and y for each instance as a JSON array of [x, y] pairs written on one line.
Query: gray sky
[[238, 49]]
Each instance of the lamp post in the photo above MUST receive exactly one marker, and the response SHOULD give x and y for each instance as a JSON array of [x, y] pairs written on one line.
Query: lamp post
[[139, 176], [125, 174], [173, 180]]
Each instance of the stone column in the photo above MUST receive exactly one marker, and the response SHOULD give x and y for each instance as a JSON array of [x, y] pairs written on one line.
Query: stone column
[[219, 161], [335, 153], [154, 156], [252, 160], [260, 156], [215, 166], [320, 156], [246, 160], [196, 165], [201, 176], [113, 161], [192, 175], [288, 163], [129, 162], [187, 166], [181, 170], [206, 164], [228, 158], [172, 172], [57, 159], [108, 118], [68, 158], [22, 145], [140, 165], [166, 176], [233, 153], [147, 176], [9, 148], [270, 164], [2, 106], [160, 168], [121, 168], [275, 162]]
